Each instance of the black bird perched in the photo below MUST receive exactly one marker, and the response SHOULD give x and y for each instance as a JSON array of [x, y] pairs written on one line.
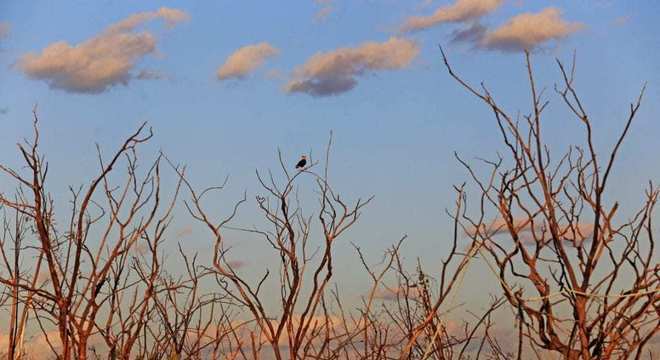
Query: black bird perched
[[97, 290], [301, 164]]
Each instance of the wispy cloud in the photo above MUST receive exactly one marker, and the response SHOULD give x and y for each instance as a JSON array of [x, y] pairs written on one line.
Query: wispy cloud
[[184, 232], [236, 264], [539, 233], [336, 72], [424, 4], [391, 294], [245, 60], [460, 11], [325, 9], [276, 74], [104, 61], [472, 34], [529, 30], [5, 29], [148, 74], [621, 20]]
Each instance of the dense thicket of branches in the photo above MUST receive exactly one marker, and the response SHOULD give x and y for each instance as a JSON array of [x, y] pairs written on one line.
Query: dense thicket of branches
[[593, 277], [582, 282]]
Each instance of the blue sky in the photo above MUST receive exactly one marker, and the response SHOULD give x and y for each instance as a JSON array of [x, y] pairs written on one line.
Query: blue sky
[[395, 130]]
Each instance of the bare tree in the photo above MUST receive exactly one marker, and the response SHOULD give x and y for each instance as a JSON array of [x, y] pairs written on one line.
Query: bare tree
[[99, 273], [301, 327], [414, 319], [594, 276]]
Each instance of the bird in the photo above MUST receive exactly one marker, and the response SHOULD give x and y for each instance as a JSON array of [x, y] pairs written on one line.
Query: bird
[[97, 290], [301, 164]]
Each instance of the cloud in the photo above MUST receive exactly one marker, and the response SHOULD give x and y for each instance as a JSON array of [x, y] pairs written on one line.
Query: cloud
[[170, 16], [425, 4], [326, 8], [104, 61], [574, 235], [276, 74], [621, 20], [34, 345], [248, 331], [460, 11], [148, 74], [336, 72], [184, 232], [472, 34], [236, 264], [4, 110], [5, 29], [529, 30], [245, 60], [392, 294]]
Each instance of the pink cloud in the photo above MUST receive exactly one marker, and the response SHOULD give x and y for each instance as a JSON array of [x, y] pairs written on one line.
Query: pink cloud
[[245, 60], [460, 11], [336, 72], [104, 61]]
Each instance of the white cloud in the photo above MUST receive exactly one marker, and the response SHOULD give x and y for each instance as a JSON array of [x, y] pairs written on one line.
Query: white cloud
[[460, 11], [101, 62], [245, 60], [336, 72]]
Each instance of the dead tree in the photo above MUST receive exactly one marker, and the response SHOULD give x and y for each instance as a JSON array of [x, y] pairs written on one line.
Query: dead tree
[[583, 282], [412, 319], [301, 326], [94, 275]]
